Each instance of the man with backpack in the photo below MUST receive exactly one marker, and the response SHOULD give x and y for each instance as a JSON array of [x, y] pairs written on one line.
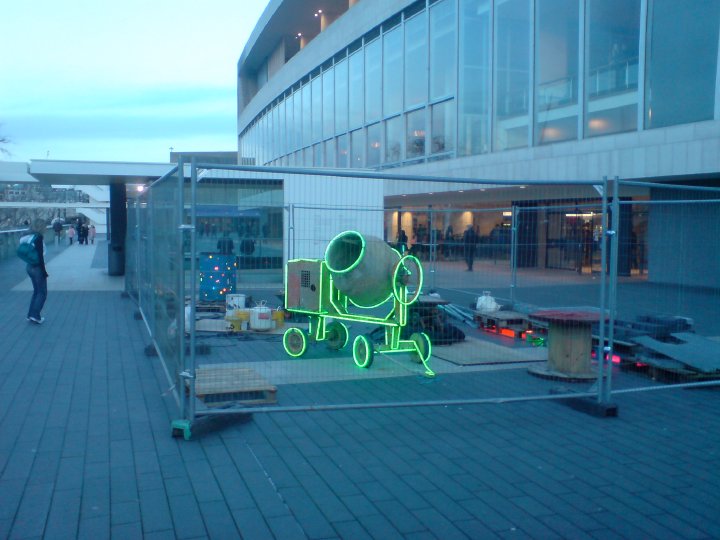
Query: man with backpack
[[32, 251]]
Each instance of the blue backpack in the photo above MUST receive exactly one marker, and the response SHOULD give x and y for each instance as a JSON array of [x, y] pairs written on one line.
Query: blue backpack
[[26, 250]]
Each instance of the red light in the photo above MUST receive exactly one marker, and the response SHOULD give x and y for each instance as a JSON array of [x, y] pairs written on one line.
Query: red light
[[615, 358]]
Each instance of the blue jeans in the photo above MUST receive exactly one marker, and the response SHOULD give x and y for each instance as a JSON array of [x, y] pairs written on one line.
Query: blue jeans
[[39, 282]]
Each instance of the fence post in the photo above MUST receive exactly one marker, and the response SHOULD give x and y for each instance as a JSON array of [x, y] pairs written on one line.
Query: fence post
[[193, 283], [603, 280], [612, 296], [432, 245], [513, 253], [180, 312]]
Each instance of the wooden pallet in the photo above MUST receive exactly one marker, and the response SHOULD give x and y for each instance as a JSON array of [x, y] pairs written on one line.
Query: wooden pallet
[[221, 384]]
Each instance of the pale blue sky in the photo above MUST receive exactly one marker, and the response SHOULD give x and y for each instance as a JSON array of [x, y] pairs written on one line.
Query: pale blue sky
[[120, 80]]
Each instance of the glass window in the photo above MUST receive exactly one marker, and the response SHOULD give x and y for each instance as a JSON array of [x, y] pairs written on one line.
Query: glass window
[[613, 39], [275, 141], [328, 85], [317, 109], [415, 134], [262, 139], [373, 81], [282, 131], [416, 61], [374, 144], [393, 139], [556, 70], [512, 74], [356, 90], [442, 130], [392, 70], [330, 153], [318, 158], [342, 151], [306, 116], [681, 64], [474, 84], [357, 148], [307, 157], [297, 120], [443, 49], [341, 96], [288, 127]]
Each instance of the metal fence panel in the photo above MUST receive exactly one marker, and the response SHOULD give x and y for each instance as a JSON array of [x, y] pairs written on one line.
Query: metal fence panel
[[539, 279], [668, 286]]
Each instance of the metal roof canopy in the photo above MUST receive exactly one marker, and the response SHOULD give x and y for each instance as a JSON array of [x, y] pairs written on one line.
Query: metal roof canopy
[[95, 173], [15, 172]]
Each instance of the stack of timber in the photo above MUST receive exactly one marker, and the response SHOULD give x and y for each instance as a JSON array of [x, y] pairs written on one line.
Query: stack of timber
[[223, 384]]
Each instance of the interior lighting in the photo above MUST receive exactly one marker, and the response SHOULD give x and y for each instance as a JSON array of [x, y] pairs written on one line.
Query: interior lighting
[[140, 188], [598, 124]]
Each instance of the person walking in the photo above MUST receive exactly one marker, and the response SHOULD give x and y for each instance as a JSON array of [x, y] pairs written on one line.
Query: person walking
[[91, 234], [84, 234], [71, 234], [37, 273], [469, 241]]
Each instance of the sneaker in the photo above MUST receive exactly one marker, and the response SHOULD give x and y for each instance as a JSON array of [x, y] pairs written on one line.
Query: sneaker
[[36, 320]]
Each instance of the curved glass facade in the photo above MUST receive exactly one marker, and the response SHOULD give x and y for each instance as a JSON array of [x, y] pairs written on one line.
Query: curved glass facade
[[451, 78]]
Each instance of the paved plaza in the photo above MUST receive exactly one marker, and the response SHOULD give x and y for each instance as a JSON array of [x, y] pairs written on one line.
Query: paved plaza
[[86, 451]]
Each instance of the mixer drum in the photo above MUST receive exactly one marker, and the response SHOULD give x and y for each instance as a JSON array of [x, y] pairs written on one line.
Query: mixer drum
[[362, 267]]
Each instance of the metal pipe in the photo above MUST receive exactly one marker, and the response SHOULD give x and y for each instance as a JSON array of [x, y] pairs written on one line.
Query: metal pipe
[[603, 278], [355, 173], [394, 405], [612, 298], [513, 253], [193, 281]]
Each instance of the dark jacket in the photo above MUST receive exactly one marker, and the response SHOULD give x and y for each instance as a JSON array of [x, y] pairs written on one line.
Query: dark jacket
[[39, 244]]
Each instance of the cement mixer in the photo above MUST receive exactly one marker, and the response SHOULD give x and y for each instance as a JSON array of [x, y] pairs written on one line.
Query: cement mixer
[[359, 273]]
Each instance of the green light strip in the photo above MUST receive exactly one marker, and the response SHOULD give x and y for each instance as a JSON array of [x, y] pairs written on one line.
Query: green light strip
[[359, 257]]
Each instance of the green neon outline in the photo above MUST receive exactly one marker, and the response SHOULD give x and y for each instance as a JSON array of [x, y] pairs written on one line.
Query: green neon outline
[[346, 333], [286, 335], [359, 258], [397, 293], [369, 350], [422, 335]]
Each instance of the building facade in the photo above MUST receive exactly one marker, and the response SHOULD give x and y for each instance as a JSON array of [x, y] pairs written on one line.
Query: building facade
[[517, 90]]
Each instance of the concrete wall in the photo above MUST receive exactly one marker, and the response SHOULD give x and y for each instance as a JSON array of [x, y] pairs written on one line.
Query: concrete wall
[[327, 206], [676, 151]]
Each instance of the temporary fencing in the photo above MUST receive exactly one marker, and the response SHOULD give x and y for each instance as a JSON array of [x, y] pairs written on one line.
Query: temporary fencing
[[275, 289]]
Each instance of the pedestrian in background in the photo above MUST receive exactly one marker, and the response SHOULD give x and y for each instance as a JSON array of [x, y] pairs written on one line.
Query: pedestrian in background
[[71, 234], [91, 234], [469, 241]]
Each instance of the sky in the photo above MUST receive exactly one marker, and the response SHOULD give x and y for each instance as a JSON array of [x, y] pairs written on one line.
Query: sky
[[120, 80]]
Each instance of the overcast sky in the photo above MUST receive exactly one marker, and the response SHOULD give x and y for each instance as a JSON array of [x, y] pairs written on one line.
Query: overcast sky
[[120, 80]]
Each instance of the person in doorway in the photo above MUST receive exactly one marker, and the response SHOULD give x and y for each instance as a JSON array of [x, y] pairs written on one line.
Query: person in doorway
[[71, 234], [91, 234], [469, 242], [402, 241], [225, 245], [37, 273]]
